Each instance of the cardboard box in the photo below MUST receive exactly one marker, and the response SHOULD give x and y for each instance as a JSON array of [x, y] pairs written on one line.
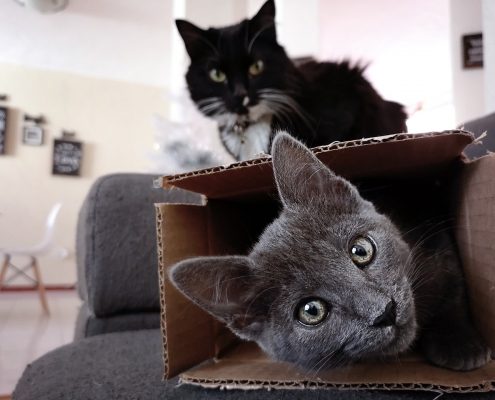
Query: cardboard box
[[240, 200]]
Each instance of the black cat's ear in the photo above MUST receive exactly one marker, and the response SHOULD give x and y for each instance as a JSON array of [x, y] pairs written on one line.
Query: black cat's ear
[[262, 25], [195, 39], [303, 180], [223, 286]]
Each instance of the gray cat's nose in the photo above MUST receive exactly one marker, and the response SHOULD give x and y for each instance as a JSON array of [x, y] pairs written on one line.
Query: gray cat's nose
[[387, 318]]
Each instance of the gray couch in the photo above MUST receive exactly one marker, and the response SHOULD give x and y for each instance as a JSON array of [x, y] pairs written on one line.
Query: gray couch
[[478, 126], [116, 353]]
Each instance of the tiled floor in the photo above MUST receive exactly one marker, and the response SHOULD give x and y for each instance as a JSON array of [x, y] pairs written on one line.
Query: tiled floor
[[26, 334]]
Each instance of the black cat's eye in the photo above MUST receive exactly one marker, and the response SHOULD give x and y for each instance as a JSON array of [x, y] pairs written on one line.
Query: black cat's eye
[[256, 68], [362, 251], [311, 311], [217, 75]]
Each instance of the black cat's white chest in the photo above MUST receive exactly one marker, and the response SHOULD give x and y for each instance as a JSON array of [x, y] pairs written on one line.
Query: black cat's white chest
[[246, 143]]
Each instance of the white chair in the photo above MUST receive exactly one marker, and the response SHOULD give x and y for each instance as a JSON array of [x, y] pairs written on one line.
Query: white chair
[[33, 252]]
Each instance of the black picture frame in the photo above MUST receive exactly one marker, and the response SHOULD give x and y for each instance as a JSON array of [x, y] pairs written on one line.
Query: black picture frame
[[472, 51], [33, 135], [67, 157], [4, 112]]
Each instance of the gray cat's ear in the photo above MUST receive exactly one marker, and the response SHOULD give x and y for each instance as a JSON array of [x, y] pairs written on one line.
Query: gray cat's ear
[[224, 287], [263, 23], [303, 180], [195, 39]]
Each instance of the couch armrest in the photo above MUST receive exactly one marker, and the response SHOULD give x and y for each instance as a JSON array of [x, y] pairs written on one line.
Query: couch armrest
[[116, 244], [479, 126]]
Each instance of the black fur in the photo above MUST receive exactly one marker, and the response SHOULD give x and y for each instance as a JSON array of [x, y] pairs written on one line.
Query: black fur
[[323, 101]]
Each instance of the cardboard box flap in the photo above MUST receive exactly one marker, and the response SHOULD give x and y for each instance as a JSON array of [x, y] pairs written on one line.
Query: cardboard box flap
[[476, 240], [390, 156], [247, 367], [187, 331], [190, 335]]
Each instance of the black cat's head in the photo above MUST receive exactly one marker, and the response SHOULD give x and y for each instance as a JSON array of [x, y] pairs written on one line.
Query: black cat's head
[[327, 281], [235, 71]]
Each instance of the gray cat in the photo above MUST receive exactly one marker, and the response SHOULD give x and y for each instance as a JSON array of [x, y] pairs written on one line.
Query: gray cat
[[332, 281]]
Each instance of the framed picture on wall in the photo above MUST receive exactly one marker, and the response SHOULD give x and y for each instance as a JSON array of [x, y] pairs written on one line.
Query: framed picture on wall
[[67, 157], [3, 128], [472, 51], [32, 135]]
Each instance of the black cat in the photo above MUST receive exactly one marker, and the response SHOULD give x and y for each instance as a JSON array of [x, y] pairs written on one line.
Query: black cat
[[243, 78]]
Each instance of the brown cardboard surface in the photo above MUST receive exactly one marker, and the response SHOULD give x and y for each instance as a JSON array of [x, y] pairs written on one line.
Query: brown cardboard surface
[[190, 334], [187, 331], [227, 225], [394, 155], [476, 239], [247, 367]]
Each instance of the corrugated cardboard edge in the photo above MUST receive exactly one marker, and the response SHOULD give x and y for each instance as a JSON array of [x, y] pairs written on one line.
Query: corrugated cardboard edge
[[167, 182], [304, 385], [161, 281]]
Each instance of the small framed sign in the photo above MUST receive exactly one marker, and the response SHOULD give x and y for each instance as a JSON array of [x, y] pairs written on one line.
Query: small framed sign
[[3, 128], [472, 51], [67, 157], [32, 135]]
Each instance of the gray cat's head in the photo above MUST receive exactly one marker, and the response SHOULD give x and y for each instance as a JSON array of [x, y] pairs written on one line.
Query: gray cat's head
[[326, 282]]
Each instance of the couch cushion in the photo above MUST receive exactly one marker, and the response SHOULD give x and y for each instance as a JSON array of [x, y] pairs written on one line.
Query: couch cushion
[[128, 365], [479, 126], [116, 243], [89, 325]]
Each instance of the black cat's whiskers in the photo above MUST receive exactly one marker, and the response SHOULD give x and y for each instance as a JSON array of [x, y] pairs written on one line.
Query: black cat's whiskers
[[278, 99], [211, 106], [286, 105], [282, 115]]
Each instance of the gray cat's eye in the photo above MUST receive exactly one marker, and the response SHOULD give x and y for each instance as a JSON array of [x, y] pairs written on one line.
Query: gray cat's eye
[[217, 76], [311, 311], [362, 251]]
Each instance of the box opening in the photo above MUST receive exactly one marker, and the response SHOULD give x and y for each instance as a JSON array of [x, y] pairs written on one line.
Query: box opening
[[207, 354]]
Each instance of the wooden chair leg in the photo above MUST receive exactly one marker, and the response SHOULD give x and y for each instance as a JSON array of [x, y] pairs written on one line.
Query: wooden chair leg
[[5, 267], [41, 286]]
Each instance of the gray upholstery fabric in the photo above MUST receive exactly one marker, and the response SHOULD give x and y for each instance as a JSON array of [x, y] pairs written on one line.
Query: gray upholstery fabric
[[89, 325], [117, 258], [128, 365], [116, 243], [478, 126]]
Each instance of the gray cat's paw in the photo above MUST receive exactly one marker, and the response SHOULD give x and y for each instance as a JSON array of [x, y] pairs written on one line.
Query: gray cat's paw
[[460, 352]]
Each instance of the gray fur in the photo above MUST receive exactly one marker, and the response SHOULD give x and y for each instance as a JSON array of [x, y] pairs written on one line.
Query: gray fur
[[304, 253]]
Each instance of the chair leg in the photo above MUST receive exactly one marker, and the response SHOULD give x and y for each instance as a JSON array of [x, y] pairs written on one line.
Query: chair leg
[[5, 267], [41, 286]]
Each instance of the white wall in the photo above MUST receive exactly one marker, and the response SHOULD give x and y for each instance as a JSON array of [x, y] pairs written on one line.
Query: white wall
[[102, 67], [126, 40], [488, 15], [408, 46], [114, 122], [99, 68], [465, 17]]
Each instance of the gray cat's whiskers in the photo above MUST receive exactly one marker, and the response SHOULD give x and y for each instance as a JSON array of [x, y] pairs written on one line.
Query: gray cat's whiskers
[[336, 356], [256, 297], [428, 234], [305, 263]]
